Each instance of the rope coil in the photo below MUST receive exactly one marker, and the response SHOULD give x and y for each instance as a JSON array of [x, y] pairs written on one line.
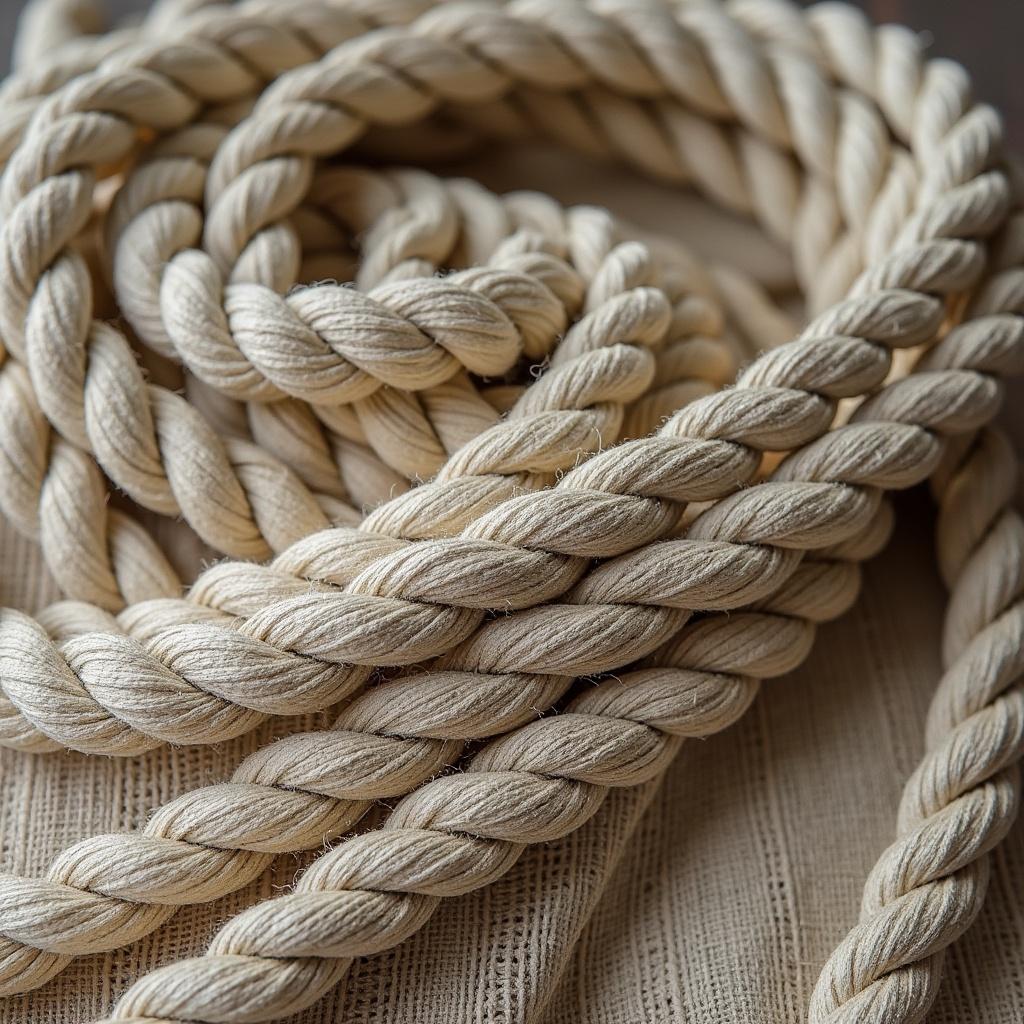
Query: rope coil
[[870, 164]]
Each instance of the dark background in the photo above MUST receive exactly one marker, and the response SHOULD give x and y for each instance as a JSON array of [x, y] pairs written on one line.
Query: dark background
[[987, 36]]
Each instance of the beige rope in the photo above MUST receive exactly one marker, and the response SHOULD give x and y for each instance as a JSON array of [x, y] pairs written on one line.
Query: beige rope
[[608, 274], [72, 361], [927, 221], [373, 890], [961, 800], [413, 223], [565, 405], [48, 24], [290, 794], [907, 270]]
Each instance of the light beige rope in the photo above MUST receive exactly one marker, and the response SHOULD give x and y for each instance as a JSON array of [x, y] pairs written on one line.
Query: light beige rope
[[45, 25], [798, 591], [569, 411], [258, 214], [398, 776], [217, 501], [289, 795], [961, 800], [390, 14], [461, 831], [872, 450], [460, 414], [251, 940], [328, 446], [953, 275], [413, 223]]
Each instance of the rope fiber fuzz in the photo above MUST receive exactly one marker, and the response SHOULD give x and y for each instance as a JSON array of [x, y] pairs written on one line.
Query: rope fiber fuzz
[[524, 496]]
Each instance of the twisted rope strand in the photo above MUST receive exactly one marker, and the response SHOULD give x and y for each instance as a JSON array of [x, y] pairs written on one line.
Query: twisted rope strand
[[708, 638], [557, 787], [261, 206], [411, 435], [612, 273], [961, 800], [204, 474], [943, 264], [452, 835], [383, 595], [288, 795], [950, 265], [571, 403], [57, 408], [55, 493]]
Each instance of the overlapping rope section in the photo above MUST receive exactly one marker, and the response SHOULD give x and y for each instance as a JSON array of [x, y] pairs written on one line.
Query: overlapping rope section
[[869, 162]]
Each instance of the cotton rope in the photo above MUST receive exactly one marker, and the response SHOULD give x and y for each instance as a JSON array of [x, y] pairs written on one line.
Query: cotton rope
[[888, 186]]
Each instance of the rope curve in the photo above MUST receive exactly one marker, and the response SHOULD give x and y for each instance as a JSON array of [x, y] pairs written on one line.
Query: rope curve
[[871, 164], [960, 801]]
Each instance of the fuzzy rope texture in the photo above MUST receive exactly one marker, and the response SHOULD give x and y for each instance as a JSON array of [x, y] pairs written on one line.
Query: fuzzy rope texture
[[958, 264], [927, 888], [562, 392], [584, 563]]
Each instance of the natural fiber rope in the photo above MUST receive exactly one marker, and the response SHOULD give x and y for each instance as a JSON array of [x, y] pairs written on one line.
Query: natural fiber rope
[[814, 414], [412, 435], [600, 232], [961, 800], [348, 29], [547, 431], [291, 432], [22, 495], [403, 779], [947, 401]]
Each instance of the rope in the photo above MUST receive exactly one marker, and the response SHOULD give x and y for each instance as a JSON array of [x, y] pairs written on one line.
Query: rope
[[868, 162], [960, 801]]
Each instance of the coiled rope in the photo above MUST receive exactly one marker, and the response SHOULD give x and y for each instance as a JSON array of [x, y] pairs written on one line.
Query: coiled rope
[[868, 161]]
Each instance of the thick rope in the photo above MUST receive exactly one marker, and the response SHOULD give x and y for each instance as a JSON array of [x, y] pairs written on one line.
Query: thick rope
[[109, 129], [345, 28], [934, 215], [464, 824], [943, 264], [314, 784], [572, 408], [413, 224], [799, 590], [927, 888]]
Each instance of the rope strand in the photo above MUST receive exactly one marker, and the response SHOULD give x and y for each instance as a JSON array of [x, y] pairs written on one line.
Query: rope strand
[[869, 162]]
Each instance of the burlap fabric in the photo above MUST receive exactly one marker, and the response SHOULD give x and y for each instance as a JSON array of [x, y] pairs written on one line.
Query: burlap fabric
[[714, 897]]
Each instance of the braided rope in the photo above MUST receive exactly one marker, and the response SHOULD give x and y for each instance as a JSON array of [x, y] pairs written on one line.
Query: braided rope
[[385, 745], [462, 831]]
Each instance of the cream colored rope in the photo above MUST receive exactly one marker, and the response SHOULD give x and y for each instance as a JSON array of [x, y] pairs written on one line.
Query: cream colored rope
[[892, 183], [811, 410], [926, 889]]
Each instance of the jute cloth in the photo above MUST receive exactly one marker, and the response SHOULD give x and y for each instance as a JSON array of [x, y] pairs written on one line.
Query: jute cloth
[[713, 897]]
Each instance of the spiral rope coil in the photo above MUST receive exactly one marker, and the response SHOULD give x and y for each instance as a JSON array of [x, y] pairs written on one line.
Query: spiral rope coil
[[870, 163]]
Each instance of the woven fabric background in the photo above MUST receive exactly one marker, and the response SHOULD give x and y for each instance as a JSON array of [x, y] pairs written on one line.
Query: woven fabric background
[[713, 897]]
